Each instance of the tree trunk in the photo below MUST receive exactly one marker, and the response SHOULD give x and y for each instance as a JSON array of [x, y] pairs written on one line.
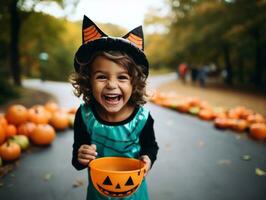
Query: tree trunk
[[240, 70], [258, 68], [14, 42], [228, 65]]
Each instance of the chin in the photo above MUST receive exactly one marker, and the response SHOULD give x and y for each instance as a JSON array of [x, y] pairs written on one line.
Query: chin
[[113, 110]]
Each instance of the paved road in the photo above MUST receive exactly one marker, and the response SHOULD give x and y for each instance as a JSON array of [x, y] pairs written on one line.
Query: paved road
[[195, 160]]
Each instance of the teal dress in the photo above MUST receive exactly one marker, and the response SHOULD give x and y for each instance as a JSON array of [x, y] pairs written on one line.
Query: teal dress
[[116, 140]]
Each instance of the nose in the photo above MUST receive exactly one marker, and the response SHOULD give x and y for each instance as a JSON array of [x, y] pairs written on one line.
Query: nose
[[111, 84]]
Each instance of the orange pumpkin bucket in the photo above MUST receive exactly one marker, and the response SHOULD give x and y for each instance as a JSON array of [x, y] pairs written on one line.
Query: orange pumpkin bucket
[[117, 176]]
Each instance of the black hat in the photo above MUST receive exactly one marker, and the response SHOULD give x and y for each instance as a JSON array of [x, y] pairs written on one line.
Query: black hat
[[94, 40]]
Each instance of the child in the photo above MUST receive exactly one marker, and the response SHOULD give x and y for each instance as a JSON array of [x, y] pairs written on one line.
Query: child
[[111, 77]]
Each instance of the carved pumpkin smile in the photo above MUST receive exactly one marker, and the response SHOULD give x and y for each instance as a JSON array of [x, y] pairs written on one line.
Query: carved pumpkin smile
[[118, 194]]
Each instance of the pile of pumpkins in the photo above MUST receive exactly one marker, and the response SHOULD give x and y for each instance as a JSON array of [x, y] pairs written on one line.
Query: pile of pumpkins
[[21, 126], [239, 119]]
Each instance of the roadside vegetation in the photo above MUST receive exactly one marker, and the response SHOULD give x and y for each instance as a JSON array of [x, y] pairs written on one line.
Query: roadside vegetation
[[198, 33]]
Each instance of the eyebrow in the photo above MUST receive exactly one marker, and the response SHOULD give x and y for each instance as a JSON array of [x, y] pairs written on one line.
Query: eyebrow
[[103, 72], [98, 71]]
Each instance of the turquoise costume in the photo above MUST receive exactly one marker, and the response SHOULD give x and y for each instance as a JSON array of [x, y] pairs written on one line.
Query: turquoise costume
[[116, 140]]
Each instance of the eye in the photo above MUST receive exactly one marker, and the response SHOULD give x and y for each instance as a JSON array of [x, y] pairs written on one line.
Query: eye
[[129, 181], [101, 77], [107, 181], [123, 77]]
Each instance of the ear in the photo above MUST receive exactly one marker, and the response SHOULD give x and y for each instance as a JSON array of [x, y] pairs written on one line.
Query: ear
[[136, 36], [90, 31]]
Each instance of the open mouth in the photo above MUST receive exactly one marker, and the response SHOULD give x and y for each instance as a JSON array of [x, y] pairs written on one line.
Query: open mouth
[[117, 194], [112, 98]]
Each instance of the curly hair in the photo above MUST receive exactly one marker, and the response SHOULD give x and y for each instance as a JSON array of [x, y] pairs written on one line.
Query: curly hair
[[81, 80]]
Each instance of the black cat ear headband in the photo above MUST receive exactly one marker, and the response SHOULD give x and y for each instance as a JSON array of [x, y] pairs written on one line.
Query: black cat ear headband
[[94, 40]]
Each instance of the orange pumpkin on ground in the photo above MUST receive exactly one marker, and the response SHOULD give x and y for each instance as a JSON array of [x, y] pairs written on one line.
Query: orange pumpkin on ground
[[221, 123], [51, 106], [159, 98], [205, 105], [10, 151], [245, 113], [258, 131], [255, 118], [239, 125], [17, 114], [183, 106], [43, 135], [194, 101], [26, 128], [11, 130], [3, 121], [232, 114], [219, 112], [2, 134], [38, 115], [220, 115], [239, 111], [60, 120], [206, 114]]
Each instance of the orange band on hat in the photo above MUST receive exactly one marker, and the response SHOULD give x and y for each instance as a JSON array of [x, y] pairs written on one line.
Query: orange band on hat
[[136, 40]]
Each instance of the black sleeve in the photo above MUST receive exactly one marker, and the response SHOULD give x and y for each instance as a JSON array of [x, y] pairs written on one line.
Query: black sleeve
[[81, 136], [148, 142]]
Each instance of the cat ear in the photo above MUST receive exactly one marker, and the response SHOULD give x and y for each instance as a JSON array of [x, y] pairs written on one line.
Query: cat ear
[[90, 31], [136, 36]]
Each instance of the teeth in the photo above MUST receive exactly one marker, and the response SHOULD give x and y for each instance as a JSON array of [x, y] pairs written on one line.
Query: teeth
[[112, 97]]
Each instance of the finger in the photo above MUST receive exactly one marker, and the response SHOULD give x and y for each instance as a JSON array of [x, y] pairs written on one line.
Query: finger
[[87, 151], [145, 159], [87, 155], [146, 170], [83, 161], [147, 162], [94, 146], [85, 146]]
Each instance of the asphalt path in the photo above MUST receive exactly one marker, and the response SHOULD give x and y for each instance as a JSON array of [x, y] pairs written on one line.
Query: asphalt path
[[195, 160]]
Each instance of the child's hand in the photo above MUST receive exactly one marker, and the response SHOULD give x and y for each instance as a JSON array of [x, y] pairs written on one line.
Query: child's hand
[[86, 153], [147, 161]]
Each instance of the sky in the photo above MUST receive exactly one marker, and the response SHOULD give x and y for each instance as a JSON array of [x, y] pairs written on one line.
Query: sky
[[126, 13]]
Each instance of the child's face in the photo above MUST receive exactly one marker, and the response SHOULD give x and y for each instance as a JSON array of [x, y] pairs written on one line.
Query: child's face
[[111, 85]]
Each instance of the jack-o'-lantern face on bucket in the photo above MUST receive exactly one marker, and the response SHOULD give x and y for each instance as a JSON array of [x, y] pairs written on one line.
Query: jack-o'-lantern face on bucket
[[118, 177], [117, 189]]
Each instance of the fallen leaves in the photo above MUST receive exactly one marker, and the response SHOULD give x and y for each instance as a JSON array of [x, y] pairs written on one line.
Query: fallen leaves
[[246, 157], [260, 172], [78, 182], [47, 176], [224, 162], [5, 169]]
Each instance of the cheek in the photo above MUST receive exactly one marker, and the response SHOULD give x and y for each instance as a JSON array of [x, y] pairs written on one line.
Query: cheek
[[96, 88], [128, 88]]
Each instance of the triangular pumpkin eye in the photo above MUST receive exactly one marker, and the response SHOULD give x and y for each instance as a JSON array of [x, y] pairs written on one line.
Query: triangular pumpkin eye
[[107, 181], [129, 181]]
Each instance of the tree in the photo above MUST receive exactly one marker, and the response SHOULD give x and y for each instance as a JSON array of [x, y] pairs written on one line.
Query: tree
[[229, 33], [15, 7]]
